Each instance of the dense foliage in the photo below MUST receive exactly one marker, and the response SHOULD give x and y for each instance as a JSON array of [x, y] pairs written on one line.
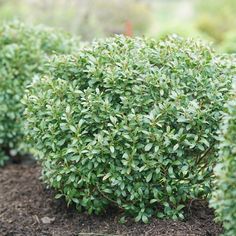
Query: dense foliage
[[130, 122], [224, 196], [23, 51]]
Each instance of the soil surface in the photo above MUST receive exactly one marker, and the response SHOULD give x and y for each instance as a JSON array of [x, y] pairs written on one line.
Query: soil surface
[[27, 208]]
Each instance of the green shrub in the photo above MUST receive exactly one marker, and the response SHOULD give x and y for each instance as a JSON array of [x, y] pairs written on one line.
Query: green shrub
[[216, 18], [224, 195], [130, 122], [229, 43], [23, 52], [186, 31]]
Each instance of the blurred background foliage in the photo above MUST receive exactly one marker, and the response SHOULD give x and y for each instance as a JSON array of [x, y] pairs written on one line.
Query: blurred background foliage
[[211, 20], [216, 17]]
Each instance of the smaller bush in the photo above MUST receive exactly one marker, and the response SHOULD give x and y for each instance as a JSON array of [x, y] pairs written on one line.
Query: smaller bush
[[130, 122], [216, 18], [229, 43], [224, 195], [185, 31], [24, 51]]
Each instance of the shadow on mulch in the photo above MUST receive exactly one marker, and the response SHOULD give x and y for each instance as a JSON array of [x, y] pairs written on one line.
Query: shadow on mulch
[[28, 209]]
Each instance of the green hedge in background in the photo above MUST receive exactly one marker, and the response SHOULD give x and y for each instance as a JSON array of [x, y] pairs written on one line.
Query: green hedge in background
[[229, 43], [224, 196], [23, 53], [130, 122], [216, 18], [88, 19], [186, 31]]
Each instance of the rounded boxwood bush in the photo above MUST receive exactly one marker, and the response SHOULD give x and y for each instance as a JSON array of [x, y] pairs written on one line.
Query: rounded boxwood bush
[[23, 53], [130, 122], [224, 195]]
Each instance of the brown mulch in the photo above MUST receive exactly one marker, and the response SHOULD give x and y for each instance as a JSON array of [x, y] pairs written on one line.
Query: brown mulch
[[27, 208]]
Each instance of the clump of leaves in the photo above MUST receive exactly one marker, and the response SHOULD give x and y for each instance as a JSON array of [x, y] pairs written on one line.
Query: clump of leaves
[[23, 53], [224, 195], [130, 122]]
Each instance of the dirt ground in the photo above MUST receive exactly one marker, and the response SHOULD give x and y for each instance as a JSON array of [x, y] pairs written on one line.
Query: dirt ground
[[27, 208]]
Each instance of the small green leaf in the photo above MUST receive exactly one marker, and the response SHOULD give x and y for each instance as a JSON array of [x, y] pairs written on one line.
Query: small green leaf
[[106, 176], [149, 177], [59, 196], [148, 147], [168, 189], [122, 220], [138, 218], [176, 147], [112, 149], [72, 128], [153, 201], [75, 200], [59, 177], [145, 219], [160, 215]]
